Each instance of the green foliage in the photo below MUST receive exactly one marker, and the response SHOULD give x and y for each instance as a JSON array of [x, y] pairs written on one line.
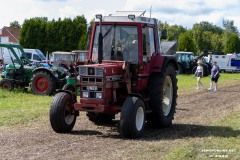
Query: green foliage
[[15, 24], [186, 43], [233, 44], [229, 26], [60, 35]]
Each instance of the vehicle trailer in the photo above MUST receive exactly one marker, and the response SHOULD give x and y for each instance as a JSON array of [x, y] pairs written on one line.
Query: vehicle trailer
[[126, 73]]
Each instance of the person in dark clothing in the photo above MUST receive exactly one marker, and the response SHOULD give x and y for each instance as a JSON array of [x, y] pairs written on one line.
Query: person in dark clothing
[[214, 77]]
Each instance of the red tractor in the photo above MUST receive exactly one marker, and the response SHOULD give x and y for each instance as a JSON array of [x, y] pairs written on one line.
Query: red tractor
[[126, 73]]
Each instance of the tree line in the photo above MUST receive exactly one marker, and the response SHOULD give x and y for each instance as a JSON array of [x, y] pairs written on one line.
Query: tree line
[[205, 36], [48, 36], [71, 34]]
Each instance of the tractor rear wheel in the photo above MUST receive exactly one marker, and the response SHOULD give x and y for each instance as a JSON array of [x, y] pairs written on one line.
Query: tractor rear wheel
[[43, 83], [132, 119], [100, 118], [62, 113], [6, 84], [180, 69], [163, 96]]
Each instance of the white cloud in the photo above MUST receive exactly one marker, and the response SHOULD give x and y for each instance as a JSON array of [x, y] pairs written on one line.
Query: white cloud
[[185, 13]]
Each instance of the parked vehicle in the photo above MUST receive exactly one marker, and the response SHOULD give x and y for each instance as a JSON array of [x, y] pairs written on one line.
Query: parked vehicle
[[235, 61], [18, 74], [32, 54], [187, 63], [226, 62], [126, 73]]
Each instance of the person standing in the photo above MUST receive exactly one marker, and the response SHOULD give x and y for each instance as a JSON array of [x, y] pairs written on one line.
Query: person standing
[[199, 74], [214, 77]]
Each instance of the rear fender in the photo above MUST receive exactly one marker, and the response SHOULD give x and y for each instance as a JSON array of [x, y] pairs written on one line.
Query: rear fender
[[44, 69], [169, 60]]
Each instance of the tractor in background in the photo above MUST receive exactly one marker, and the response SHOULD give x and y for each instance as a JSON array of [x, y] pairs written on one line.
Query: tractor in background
[[187, 63], [42, 77], [126, 73]]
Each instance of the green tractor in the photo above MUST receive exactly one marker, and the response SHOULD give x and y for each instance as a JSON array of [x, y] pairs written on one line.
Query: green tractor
[[43, 77], [187, 63], [19, 73]]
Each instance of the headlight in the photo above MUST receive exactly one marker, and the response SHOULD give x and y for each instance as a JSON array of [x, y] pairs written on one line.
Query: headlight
[[99, 95], [85, 94], [56, 75]]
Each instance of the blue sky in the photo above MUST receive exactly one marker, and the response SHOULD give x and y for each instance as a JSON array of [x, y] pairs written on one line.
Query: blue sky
[[180, 12]]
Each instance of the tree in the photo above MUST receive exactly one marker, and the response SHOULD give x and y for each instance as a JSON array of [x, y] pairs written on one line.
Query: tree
[[15, 24], [233, 44], [229, 26], [60, 35], [202, 33], [186, 43], [33, 33]]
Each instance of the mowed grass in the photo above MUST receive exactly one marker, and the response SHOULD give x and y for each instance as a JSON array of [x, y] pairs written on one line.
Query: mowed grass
[[189, 82], [22, 108]]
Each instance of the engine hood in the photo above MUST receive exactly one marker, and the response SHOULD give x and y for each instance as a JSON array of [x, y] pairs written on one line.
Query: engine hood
[[103, 69]]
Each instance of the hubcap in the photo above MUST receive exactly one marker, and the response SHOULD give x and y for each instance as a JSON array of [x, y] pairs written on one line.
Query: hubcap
[[167, 95], [41, 84], [139, 118], [69, 114], [6, 86]]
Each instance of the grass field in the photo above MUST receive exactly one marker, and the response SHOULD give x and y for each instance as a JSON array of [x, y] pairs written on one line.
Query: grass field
[[19, 109], [189, 82]]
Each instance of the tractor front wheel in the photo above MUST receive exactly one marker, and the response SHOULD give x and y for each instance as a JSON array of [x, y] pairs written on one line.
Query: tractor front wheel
[[6, 84], [62, 113], [132, 119], [43, 83], [69, 87]]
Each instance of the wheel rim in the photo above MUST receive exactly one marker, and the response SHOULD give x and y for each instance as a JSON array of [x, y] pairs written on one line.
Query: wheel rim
[[41, 84], [69, 114], [6, 86], [167, 95], [139, 118]]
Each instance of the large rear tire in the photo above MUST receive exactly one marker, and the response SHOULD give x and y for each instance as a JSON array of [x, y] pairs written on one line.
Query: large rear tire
[[132, 119], [6, 84], [62, 113], [100, 118], [43, 83], [163, 96]]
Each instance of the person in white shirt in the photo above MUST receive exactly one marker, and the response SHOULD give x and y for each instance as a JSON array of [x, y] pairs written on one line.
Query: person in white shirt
[[199, 74]]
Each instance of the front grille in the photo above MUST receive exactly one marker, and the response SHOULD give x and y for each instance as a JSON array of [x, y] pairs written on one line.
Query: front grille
[[91, 80], [90, 71]]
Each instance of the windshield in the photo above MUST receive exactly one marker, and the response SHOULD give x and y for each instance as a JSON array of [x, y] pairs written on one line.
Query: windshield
[[119, 43], [67, 59], [41, 55]]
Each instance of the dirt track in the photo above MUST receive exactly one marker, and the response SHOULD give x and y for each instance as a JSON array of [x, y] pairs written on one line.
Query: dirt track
[[194, 113]]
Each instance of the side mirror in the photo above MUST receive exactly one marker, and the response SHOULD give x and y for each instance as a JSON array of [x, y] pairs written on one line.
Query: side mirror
[[164, 34]]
